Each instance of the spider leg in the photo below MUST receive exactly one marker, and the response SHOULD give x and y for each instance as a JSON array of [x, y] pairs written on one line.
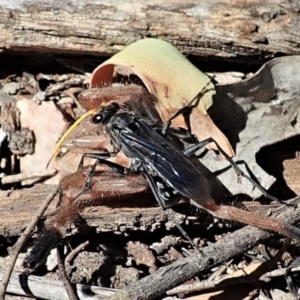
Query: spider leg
[[249, 218]]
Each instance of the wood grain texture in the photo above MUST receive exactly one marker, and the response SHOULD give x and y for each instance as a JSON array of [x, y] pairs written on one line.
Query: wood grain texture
[[44, 288], [254, 29], [18, 207]]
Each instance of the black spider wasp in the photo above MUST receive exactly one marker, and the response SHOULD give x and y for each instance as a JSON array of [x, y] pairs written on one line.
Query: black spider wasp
[[168, 171]]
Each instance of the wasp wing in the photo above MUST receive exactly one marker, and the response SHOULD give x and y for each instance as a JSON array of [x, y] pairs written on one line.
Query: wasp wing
[[169, 163]]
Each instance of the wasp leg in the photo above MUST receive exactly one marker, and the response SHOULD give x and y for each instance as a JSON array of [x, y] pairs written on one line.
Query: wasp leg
[[101, 158], [170, 216], [194, 148], [105, 155], [186, 109]]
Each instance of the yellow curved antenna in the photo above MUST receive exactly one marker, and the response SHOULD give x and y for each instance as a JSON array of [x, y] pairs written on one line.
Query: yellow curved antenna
[[70, 129]]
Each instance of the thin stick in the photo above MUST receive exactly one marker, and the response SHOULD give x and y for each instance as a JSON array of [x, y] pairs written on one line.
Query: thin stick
[[22, 240], [26, 176], [63, 275], [221, 283], [225, 281], [75, 251]]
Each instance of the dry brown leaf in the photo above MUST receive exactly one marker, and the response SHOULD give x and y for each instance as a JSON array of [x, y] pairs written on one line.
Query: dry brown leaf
[[172, 79], [47, 123], [244, 271], [254, 113], [237, 292]]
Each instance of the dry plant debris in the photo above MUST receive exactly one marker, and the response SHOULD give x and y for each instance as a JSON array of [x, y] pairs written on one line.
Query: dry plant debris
[[133, 242]]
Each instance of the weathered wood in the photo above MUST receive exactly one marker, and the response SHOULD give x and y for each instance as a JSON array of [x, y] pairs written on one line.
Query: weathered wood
[[220, 29], [52, 289], [18, 207], [178, 272]]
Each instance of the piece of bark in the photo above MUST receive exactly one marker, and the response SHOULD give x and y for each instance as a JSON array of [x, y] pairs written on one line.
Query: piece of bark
[[16, 209], [219, 29]]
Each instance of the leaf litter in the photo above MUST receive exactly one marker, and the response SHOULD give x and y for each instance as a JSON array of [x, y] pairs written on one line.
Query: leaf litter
[[252, 113]]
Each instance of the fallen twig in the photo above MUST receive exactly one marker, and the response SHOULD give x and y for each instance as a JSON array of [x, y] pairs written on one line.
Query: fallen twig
[[206, 285], [276, 273], [64, 277], [21, 241], [26, 176], [226, 280], [230, 246], [75, 251]]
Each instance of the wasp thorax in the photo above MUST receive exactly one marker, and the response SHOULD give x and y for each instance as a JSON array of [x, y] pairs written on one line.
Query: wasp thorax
[[123, 121]]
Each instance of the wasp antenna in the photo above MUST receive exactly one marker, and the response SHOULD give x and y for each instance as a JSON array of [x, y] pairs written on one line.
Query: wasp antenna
[[78, 121]]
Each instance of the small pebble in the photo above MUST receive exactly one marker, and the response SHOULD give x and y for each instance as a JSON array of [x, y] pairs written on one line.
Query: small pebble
[[38, 97], [11, 88]]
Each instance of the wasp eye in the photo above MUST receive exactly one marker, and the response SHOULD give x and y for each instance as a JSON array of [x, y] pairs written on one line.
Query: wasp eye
[[97, 118]]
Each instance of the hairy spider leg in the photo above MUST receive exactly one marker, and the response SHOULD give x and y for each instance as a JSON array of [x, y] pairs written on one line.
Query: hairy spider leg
[[41, 249], [50, 237], [230, 212], [123, 170]]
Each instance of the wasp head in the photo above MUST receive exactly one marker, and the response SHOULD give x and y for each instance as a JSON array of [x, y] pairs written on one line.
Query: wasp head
[[125, 122], [104, 115]]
